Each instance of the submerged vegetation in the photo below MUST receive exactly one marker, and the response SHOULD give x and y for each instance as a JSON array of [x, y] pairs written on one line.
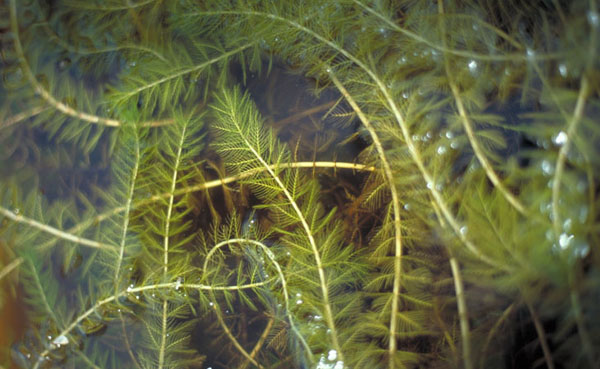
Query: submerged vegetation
[[311, 184]]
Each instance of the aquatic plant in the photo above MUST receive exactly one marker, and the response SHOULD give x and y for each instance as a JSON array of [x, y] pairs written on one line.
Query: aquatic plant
[[162, 206]]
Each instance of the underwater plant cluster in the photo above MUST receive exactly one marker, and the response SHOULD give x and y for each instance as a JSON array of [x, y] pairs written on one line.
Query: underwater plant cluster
[[318, 184]]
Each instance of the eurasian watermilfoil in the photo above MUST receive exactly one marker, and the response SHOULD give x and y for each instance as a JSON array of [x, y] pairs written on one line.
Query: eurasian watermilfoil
[[433, 205]]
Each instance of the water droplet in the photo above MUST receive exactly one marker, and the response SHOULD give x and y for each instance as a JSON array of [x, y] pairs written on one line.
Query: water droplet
[[565, 240], [298, 294], [405, 95], [582, 250], [416, 137], [299, 301], [339, 365], [547, 167], [402, 60], [318, 318], [454, 144], [430, 185], [593, 18], [560, 139], [530, 54], [441, 150], [211, 304], [61, 340], [449, 135], [464, 230], [130, 288], [473, 66], [567, 225], [328, 70], [562, 69], [407, 206], [332, 355]]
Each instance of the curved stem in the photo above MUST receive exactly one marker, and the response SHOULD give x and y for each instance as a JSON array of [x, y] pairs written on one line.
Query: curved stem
[[170, 285], [477, 149], [10, 267], [387, 169], [46, 95], [207, 185], [539, 328], [492, 332], [54, 231], [282, 279], [461, 53], [7, 122], [463, 315]]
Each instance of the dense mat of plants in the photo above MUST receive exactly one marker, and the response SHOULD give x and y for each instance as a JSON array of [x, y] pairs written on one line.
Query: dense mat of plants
[[300, 184]]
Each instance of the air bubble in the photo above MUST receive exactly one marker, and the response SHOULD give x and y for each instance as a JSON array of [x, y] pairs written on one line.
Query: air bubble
[[565, 240], [464, 230], [567, 225], [299, 302], [449, 135], [178, 283], [547, 168], [530, 54], [560, 139], [454, 144], [16, 211], [61, 340], [405, 95], [593, 18], [562, 69], [472, 66], [441, 150], [332, 355], [407, 206]]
